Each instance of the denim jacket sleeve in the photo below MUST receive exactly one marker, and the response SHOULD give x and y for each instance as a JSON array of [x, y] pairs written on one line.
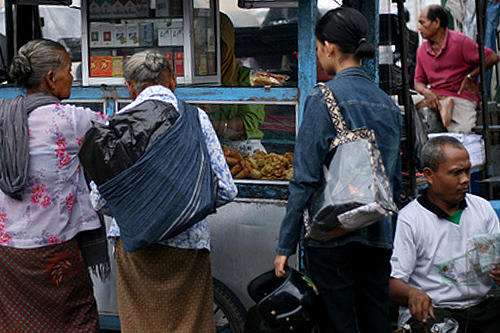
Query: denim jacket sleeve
[[311, 148]]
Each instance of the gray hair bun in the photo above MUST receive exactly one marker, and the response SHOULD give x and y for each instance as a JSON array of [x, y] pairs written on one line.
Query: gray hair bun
[[20, 69], [154, 62], [33, 60]]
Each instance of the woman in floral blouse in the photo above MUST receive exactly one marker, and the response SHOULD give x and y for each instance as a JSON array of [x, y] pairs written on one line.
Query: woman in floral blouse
[[44, 202]]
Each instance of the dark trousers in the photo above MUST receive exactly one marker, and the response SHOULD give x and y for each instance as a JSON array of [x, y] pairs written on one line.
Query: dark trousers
[[481, 318], [353, 283]]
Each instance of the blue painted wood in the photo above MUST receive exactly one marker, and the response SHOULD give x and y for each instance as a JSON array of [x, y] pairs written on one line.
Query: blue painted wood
[[307, 50], [234, 94], [212, 94], [496, 206], [109, 322]]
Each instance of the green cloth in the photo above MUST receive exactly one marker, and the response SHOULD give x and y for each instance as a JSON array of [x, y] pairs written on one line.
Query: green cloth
[[252, 115], [455, 217]]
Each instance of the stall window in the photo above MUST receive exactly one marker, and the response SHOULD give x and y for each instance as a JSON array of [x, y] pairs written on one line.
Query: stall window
[[63, 24]]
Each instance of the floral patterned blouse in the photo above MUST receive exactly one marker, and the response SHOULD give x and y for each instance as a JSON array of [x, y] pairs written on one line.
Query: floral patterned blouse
[[197, 236], [56, 204]]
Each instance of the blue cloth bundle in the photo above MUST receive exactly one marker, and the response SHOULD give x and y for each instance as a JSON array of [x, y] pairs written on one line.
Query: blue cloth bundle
[[170, 188]]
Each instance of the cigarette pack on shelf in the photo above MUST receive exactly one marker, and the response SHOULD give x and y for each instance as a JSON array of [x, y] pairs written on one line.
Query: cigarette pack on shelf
[[179, 63], [210, 40], [170, 58], [162, 8], [474, 144], [177, 32], [107, 35], [117, 66], [164, 34], [133, 34], [211, 63], [101, 66], [119, 35], [202, 65], [136, 8], [95, 34], [100, 9], [146, 34], [117, 9]]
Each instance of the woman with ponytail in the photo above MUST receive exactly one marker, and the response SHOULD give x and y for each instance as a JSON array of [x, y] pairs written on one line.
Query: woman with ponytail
[[352, 271]]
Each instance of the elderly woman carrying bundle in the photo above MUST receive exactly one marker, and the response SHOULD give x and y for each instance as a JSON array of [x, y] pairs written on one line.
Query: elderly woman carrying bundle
[[166, 285], [44, 201]]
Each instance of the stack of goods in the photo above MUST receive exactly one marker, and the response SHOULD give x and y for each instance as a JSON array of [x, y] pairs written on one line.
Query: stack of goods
[[259, 165]]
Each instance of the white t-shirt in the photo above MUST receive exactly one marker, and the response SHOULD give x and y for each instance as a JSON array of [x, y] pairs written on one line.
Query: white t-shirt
[[430, 252]]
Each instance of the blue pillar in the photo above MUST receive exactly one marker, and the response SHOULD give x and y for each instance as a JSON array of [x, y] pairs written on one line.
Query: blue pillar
[[307, 50], [369, 8]]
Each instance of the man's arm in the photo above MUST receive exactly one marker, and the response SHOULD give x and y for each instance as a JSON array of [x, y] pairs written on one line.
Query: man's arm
[[469, 82], [419, 303]]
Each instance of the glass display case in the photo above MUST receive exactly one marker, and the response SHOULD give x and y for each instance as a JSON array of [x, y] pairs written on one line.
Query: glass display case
[[186, 31]]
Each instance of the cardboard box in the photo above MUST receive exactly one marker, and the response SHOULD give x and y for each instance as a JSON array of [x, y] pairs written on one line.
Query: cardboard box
[[100, 66]]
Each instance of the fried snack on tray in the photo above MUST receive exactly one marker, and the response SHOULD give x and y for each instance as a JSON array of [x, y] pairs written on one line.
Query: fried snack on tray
[[259, 165], [260, 78]]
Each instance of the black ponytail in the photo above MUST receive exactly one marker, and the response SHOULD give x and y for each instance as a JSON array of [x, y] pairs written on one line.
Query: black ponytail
[[348, 29]]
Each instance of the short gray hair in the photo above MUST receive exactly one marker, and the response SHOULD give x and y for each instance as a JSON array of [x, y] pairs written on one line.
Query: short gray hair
[[432, 155], [146, 68], [33, 60]]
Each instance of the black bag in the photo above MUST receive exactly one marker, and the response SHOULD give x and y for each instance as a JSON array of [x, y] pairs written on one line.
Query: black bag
[[109, 149], [356, 192]]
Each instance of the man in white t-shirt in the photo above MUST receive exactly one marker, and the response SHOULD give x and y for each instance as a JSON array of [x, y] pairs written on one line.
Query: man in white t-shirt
[[431, 269]]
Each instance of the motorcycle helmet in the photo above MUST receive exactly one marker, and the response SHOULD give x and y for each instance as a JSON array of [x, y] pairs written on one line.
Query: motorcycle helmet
[[284, 302]]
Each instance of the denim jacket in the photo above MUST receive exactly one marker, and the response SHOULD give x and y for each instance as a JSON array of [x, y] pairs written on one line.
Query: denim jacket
[[362, 104]]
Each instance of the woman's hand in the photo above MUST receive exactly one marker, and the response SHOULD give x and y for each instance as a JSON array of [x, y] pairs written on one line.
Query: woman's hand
[[280, 262]]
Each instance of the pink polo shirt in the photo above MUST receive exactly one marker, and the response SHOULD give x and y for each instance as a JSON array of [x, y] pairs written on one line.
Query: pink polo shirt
[[445, 70]]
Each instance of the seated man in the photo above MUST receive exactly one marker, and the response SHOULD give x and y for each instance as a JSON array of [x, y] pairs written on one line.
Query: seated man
[[431, 274], [447, 70]]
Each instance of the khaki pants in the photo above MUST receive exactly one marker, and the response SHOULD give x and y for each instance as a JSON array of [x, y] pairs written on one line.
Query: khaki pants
[[464, 116]]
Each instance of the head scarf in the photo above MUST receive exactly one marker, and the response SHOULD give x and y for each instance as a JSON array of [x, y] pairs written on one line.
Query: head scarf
[[230, 66]]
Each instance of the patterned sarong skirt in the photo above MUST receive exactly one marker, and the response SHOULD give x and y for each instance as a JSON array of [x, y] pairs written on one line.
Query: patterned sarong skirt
[[46, 289], [164, 289]]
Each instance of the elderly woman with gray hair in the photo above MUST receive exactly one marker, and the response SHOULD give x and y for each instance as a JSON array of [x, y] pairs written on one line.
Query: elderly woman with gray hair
[[166, 286], [46, 217]]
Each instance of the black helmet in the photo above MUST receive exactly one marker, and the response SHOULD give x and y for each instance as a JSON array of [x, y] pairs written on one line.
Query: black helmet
[[284, 302]]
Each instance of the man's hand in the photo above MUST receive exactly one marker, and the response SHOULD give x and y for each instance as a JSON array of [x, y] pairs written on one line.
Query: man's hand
[[468, 84], [420, 305], [279, 265], [495, 274], [431, 99]]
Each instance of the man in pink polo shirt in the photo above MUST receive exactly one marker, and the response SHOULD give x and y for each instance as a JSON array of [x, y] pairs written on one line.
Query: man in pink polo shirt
[[447, 70]]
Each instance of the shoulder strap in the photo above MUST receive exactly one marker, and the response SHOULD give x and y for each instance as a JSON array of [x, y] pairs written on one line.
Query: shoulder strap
[[333, 108]]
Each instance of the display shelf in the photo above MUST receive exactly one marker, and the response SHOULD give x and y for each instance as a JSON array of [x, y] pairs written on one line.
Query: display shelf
[[186, 31]]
